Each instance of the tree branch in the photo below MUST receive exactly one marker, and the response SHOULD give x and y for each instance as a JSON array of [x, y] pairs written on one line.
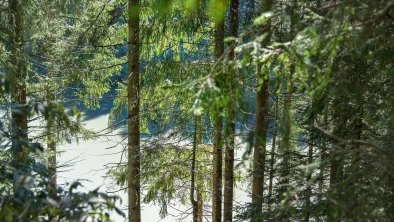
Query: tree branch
[[345, 141]]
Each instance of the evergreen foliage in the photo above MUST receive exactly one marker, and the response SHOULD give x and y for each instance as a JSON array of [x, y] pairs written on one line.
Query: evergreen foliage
[[290, 101]]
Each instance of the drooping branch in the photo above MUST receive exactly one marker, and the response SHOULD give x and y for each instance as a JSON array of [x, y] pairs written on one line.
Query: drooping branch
[[343, 141]]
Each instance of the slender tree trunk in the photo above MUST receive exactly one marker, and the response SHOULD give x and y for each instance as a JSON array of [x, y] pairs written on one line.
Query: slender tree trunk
[[353, 204], [133, 96], [52, 164], [200, 183], [323, 157], [322, 163], [308, 190], [340, 116], [18, 72], [218, 140], [200, 205], [272, 160], [286, 145], [51, 141], [193, 172], [336, 175], [260, 125], [229, 170], [336, 166], [217, 172], [230, 123]]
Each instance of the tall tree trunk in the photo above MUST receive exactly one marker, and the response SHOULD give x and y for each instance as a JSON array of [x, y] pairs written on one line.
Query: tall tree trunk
[[51, 141], [308, 190], [200, 205], [336, 175], [322, 163], [218, 140], [340, 117], [193, 172], [133, 104], [260, 124], [272, 160], [217, 172], [352, 200], [337, 163], [18, 73], [286, 144], [323, 157], [230, 123]]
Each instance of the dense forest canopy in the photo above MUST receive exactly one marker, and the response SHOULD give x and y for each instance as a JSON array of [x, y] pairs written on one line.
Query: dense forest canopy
[[289, 103]]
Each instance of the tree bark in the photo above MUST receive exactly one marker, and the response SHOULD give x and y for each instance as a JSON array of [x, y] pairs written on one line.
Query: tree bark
[[286, 145], [323, 158], [230, 123], [51, 141], [336, 167], [18, 73], [193, 173], [200, 205], [217, 172], [218, 143], [133, 104], [353, 200], [272, 160], [322, 163], [308, 190], [260, 125]]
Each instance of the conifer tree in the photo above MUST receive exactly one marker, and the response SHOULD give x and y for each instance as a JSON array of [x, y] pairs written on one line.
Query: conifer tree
[[133, 109], [218, 138], [230, 120], [286, 145], [260, 131], [272, 158], [17, 76], [193, 172], [200, 203]]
